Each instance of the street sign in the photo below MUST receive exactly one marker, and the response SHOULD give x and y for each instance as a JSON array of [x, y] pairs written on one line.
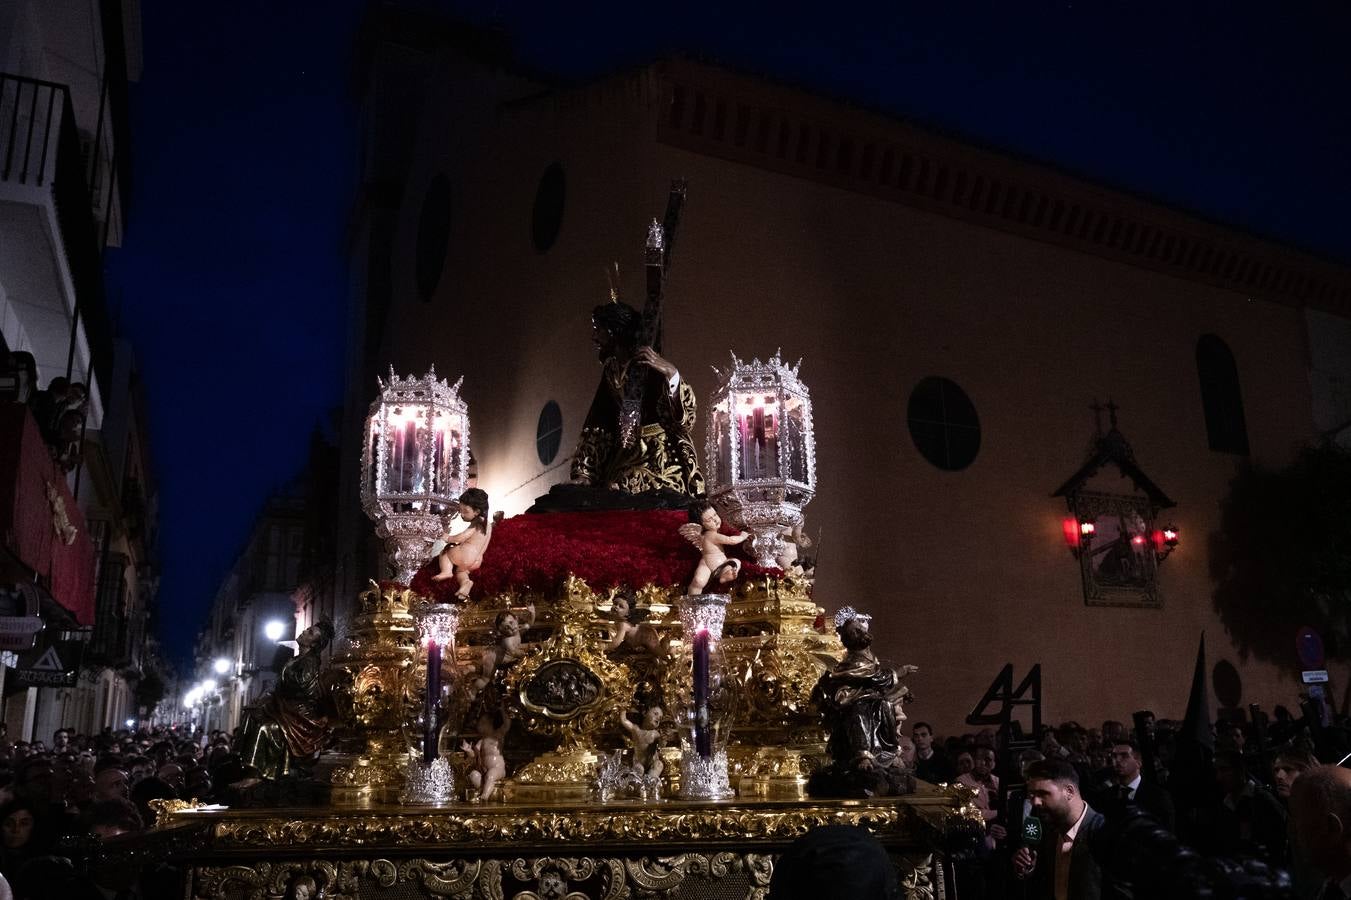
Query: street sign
[[51, 664], [1315, 676]]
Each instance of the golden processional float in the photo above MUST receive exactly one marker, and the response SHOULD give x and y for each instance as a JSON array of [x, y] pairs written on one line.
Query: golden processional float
[[628, 691]]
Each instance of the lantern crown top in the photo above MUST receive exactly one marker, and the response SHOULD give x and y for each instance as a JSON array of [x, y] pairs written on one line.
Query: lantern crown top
[[419, 388], [756, 374]]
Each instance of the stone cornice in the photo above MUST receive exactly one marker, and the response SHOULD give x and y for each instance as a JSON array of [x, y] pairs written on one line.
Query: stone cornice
[[713, 111]]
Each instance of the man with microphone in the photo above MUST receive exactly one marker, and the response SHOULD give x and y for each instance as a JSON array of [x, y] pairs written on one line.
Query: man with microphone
[[1061, 865]]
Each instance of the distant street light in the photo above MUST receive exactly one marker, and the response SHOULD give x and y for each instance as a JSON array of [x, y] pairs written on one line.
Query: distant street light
[[208, 686], [221, 665], [274, 630]]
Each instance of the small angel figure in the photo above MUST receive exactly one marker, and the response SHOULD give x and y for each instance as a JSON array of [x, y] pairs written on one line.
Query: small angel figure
[[646, 739], [630, 631], [509, 629], [794, 539], [463, 552], [702, 531], [489, 766]]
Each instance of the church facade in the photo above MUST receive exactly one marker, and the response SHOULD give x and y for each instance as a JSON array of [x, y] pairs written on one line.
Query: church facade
[[971, 326]]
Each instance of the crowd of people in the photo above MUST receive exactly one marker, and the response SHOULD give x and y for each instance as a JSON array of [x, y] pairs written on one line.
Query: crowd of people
[[1126, 803], [60, 799], [1115, 805]]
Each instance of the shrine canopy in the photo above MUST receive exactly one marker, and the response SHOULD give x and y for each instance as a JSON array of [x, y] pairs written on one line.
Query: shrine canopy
[[535, 552]]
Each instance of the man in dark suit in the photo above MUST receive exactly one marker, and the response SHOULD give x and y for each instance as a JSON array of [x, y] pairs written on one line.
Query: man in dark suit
[[1130, 787], [1063, 866], [931, 763]]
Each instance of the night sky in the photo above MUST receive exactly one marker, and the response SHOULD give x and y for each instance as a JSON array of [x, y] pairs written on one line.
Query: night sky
[[232, 281]]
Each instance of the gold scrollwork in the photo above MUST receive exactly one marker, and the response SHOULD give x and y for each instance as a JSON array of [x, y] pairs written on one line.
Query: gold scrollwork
[[507, 826], [530, 878], [916, 877]]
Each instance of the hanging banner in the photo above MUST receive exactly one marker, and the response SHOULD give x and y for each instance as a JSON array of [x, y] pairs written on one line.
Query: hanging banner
[[50, 664]]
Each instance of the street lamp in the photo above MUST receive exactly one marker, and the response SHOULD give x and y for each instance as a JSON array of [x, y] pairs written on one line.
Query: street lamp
[[208, 685], [274, 630], [221, 665]]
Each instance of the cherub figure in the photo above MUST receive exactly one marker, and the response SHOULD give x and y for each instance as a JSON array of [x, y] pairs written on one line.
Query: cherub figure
[[646, 739], [629, 629], [794, 539], [463, 552], [702, 531], [489, 766], [507, 650]]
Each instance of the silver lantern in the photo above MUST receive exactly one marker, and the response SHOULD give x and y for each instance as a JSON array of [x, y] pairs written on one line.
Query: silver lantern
[[414, 465], [761, 454]]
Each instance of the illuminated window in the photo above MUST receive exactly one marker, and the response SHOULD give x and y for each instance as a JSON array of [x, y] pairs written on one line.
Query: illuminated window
[[549, 432], [943, 424]]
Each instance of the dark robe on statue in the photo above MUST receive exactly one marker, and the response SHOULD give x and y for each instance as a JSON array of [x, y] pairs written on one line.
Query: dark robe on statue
[[858, 700], [287, 724], [661, 454]]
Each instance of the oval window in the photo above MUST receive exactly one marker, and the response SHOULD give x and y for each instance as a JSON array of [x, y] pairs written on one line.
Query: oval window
[[943, 424], [549, 432]]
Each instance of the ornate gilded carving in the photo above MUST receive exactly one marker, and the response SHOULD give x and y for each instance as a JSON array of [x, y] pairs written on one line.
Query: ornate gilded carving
[[915, 877], [374, 695], [516, 878], [509, 824]]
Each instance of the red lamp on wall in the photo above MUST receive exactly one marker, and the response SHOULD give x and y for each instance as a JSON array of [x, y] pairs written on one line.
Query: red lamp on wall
[[1165, 541], [1079, 533]]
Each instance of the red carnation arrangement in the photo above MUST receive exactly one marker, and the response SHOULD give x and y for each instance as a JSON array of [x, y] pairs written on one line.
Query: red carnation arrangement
[[613, 548]]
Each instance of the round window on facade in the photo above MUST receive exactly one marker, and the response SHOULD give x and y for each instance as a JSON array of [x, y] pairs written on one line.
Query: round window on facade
[[433, 236], [943, 424], [549, 432], [547, 217]]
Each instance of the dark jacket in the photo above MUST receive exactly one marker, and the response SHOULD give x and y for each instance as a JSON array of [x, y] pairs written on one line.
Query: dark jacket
[[1086, 876]]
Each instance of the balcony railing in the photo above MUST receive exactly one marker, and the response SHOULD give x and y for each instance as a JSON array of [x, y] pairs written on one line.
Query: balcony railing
[[40, 149]]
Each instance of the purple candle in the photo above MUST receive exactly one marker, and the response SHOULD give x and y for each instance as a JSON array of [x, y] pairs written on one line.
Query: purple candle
[[703, 741], [429, 748]]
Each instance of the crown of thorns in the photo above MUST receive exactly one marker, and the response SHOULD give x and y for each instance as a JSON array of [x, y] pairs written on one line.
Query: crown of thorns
[[846, 613]]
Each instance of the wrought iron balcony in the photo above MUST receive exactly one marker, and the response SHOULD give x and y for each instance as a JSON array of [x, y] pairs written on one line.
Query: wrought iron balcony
[[41, 162]]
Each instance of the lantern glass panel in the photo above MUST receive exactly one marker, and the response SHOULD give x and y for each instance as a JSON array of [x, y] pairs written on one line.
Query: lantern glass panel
[[794, 449], [758, 423], [722, 458]]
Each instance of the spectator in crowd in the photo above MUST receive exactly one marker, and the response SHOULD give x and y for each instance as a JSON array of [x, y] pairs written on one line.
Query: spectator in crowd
[[1130, 787], [835, 862], [111, 784], [1291, 761], [1063, 866], [1320, 805], [19, 835], [1248, 819], [931, 764]]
